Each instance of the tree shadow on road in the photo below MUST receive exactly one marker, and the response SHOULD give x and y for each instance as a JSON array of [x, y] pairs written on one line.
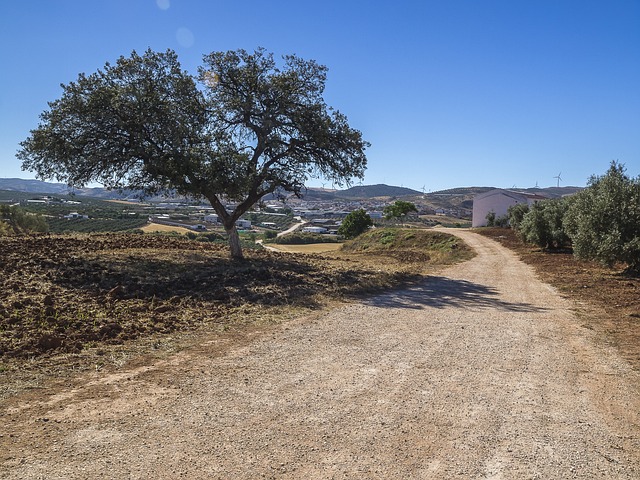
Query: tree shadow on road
[[441, 292]]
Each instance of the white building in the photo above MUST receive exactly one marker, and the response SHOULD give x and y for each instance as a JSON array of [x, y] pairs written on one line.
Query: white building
[[314, 230], [244, 224], [211, 218], [76, 216], [498, 201]]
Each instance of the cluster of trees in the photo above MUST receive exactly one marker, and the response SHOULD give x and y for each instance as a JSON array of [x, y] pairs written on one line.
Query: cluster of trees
[[358, 221], [14, 220], [601, 222]]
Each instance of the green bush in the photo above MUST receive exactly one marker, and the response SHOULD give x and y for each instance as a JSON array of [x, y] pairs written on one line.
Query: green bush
[[542, 225], [355, 223], [270, 234], [502, 221], [16, 220], [603, 220], [516, 213]]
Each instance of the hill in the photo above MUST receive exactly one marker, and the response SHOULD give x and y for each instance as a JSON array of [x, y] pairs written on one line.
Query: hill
[[454, 198], [374, 191], [40, 187]]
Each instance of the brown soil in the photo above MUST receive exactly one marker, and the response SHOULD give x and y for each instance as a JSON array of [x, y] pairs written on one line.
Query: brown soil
[[607, 300], [68, 302]]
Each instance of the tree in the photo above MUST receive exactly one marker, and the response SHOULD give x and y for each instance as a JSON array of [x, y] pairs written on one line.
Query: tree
[[543, 224], [241, 129], [398, 209], [603, 220], [15, 220], [491, 219], [516, 213], [355, 223]]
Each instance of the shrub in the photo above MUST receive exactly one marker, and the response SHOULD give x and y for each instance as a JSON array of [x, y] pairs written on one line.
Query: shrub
[[18, 221], [270, 234], [502, 222], [491, 219], [542, 225], [516, 213], [355, 223], [603, 220]]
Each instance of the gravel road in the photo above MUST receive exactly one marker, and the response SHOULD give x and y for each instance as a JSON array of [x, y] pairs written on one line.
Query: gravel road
[[481, 372]]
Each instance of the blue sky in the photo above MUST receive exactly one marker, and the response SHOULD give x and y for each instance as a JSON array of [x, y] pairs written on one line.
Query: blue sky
[[449, 93]]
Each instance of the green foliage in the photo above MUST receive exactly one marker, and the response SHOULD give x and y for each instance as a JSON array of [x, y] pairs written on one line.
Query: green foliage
[[399, 209], [239, 130], [304, 238], [16, 220], [415, 245], [502, 221], [516, 213], [491, 219], [355, 223], [603, 220], [542, 225], [270, 234]]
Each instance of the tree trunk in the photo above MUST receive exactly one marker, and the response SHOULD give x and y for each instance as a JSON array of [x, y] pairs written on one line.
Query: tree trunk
[[234, 242]]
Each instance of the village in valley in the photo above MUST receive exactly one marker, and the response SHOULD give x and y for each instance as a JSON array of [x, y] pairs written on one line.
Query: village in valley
[[318, 210]]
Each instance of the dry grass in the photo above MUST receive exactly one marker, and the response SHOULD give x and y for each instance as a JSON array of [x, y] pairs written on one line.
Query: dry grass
[[159, 228], [311, 248]]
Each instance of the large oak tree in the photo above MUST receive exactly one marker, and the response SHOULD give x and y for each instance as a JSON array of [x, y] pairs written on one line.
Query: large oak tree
[[240, 129]]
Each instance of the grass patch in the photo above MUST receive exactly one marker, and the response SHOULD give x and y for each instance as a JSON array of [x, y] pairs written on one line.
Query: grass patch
[[410, 245]]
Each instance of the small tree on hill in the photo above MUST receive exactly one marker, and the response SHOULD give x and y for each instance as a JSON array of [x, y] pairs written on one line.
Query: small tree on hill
[[398, 209], [241, 129], [355, 223], [603, 220]]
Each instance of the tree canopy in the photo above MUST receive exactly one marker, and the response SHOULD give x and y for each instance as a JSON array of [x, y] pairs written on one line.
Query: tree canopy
[[355, 223], [399, 209], [603, 220], [240, 129]]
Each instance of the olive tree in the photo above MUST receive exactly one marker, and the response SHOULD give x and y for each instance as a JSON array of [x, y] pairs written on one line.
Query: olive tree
[[543, 224], [603, 220], [355, 223], [242, 128], [398, 209]]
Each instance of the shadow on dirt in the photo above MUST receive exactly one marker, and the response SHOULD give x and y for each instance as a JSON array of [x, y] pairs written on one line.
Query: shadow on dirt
[[442, 292], [284, 280]]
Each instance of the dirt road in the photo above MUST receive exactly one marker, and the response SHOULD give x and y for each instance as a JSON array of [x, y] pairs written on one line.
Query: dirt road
[[480, 372]]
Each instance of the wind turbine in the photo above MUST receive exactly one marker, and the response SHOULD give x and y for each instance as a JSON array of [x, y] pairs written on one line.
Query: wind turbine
[[423, 190], [559, 178]]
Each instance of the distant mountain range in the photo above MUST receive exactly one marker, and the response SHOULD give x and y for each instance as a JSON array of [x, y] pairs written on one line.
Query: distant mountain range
[[460, 197], [39, 187]]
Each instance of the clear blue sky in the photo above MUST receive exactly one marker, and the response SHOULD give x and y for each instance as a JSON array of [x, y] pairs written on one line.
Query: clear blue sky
[[449, 92]]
